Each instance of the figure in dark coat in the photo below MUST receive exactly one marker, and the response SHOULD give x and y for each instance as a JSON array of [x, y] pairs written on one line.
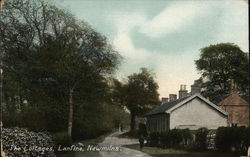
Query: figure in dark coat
[[141, 140]]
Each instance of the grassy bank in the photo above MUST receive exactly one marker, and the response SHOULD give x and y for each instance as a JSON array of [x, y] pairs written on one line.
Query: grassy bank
[[130, 135], [159, 152]]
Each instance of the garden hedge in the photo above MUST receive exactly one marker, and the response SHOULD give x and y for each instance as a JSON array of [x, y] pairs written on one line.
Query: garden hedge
[[233, 138], [172, 138], [201, 138]]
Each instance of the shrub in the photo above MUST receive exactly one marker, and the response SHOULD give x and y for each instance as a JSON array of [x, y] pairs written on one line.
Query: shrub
[[165, 139], [232, 137], [142, 130], [154, 139], [62, 139], [246, 137], [179, 137], [201, 138], [173, 138], [186, 135], [27, 143]]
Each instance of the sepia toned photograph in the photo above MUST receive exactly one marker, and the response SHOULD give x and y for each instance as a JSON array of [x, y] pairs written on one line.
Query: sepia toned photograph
[[124, 78]]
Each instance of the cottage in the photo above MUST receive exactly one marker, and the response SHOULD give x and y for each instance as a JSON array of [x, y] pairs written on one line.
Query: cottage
[[190, 111], [237, 108]]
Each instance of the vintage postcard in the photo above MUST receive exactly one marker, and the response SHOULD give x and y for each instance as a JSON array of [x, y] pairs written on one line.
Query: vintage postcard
[[129, 78]]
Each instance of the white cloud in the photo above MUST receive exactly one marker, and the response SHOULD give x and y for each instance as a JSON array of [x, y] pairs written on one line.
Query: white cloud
[[171, 70], [122, 41], [174, 17], [167, 68]]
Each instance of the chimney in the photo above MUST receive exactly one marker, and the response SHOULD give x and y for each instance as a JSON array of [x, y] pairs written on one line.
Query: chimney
[[183, 92], [233, 86], [172, 97], [164, 100], [195, 89]]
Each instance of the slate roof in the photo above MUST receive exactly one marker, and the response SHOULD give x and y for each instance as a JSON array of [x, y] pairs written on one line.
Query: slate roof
[[166, 106]]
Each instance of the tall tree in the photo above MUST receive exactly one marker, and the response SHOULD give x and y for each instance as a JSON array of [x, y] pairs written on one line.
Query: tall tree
[[47, 52], [139, 94], [221, 64]]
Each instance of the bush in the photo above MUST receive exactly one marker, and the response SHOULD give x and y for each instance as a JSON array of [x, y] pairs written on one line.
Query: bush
[[201, 138], [179, 137], [91, 122], [233, 137], [165, 139], [142, 130], [27, 143], [62, 139], [173, 138], [186, 136], [153, 139]]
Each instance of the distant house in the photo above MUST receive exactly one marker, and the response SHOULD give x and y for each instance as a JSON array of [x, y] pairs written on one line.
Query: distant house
[[237, 108], [193, 111]]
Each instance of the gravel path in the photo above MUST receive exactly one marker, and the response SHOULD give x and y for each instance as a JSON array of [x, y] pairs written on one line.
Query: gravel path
[[119, 142]]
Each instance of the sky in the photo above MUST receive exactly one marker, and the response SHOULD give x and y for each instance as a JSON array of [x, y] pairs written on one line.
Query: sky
[[164, 36]]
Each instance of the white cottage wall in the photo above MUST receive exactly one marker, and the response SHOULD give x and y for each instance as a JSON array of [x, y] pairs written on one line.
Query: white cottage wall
[[195, 114]]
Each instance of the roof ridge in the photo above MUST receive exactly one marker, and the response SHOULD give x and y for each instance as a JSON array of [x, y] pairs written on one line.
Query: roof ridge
[[173, 104], [233, 99], [162, 108]]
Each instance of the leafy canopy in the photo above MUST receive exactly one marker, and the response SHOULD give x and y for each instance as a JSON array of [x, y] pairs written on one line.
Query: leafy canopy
[[47, 52], [220, 64], [138, 94]]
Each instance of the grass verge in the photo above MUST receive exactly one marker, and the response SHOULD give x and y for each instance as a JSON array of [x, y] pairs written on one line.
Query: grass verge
[[159, 152], [130, 135]]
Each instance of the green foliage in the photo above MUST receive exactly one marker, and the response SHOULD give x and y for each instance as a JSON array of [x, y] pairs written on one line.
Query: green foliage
[[201, 138], [154, 139], [142, 130], [91, 122], [45, 58], [139, 94], [160, 152], [220, 64], [165, 139], [177, 136], [233, 137], [174, 138], [62, 138]]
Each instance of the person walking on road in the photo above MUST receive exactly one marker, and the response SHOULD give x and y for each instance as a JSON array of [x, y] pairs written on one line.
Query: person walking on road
[[141, 141]]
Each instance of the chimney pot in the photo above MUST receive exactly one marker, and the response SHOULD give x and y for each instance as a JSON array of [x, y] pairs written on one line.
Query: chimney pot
[[195, 89], [172, 97], [164, 100], [183, 92]]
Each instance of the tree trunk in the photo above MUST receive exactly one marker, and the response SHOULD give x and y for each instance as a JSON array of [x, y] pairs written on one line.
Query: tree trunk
[[70, 120], [132, 122]]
